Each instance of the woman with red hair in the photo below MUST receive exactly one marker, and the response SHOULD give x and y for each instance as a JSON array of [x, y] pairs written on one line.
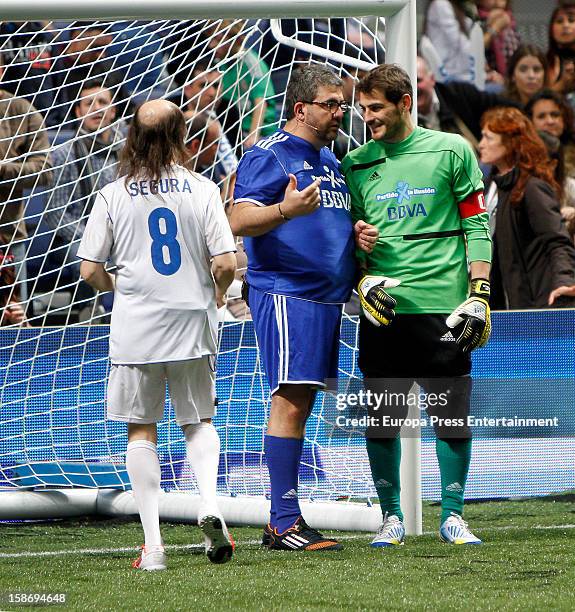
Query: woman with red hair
[[534, 258]]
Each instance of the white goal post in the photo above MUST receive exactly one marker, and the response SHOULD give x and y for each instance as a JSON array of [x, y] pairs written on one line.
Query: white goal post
[[58, 454]]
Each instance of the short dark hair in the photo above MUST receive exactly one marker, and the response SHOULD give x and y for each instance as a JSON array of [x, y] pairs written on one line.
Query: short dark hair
[[389, 79], [305, 83], [90, 84], [187, 73], [197, 126], [562, 105]]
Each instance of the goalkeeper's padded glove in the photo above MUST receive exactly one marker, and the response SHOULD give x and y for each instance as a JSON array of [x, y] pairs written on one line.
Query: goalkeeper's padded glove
[[471, 321], [377, 305]]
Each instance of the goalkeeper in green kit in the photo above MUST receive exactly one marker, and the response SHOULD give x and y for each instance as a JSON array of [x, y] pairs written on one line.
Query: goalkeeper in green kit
[[425, 288]]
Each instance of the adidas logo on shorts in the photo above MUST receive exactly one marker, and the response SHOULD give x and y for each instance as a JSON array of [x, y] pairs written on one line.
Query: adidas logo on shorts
[[448, 337], [374, 176], [307, 166]]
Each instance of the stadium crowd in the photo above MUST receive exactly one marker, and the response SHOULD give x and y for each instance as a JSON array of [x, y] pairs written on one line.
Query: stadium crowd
[[65, 90]]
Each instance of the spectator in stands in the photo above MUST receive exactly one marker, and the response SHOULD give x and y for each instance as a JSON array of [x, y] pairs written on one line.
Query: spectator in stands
[[566, 183], [24, 164], [185, 45], [561, 50], [82, 166], [136, 50], [11, 310], [246, 86], [527, 73], [552, 114], [204, 133], [499, 36], [449, 26], [552, 117], [200, 94], [84, 58], [534, 257], [454, 107], [28, 57]]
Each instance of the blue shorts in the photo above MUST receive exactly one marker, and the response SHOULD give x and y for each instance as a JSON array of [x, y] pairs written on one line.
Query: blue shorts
[[298, 339]]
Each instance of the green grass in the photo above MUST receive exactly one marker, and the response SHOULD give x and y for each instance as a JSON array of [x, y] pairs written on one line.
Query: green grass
[[521, 566]]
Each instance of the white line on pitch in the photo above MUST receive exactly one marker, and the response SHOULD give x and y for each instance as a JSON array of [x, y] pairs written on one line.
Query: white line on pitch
[[200, 547], [105, 551]]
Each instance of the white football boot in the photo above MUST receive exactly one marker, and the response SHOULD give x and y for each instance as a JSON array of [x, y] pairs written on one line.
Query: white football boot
[[454, 530], [151, 559], [391, 533]]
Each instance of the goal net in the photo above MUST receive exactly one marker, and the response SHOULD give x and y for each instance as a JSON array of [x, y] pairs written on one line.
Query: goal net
[[69, 90]]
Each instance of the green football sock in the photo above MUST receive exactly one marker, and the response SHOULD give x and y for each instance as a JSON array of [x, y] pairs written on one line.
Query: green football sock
[[453, 457], [384, 458]]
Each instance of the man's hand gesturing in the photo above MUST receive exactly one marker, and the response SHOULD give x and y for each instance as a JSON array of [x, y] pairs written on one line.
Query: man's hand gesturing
[[366, 236], [299, 203]]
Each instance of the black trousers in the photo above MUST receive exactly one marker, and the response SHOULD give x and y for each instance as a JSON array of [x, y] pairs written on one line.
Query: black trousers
[[415, 348]]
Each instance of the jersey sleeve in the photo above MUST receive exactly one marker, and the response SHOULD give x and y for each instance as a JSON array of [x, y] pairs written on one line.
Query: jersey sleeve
[[260, 178], [468, 191], [219, 237], [98, 237]]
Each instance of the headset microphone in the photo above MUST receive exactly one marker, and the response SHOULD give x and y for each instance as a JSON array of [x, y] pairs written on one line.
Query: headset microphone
[[308, 124], [311, 126]]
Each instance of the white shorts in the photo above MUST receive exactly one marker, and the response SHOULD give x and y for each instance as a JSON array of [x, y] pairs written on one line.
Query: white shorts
[[137, 393]]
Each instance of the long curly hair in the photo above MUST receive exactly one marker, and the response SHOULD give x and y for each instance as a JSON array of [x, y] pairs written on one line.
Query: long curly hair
[[524, 147]]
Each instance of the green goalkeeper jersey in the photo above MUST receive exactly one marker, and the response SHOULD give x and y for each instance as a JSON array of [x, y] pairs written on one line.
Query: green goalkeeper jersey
[[425, 196]]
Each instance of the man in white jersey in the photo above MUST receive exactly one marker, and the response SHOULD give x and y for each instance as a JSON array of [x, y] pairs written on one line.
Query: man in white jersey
[[165, 230]]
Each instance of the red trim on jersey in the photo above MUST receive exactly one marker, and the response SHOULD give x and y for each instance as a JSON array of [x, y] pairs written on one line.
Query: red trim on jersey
[[472, 205]]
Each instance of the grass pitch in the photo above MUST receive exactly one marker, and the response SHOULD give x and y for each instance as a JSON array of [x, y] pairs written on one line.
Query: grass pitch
[[526, 563]]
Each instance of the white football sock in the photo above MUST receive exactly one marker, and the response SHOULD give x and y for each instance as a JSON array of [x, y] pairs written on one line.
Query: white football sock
[[143, 468], [203, 452]]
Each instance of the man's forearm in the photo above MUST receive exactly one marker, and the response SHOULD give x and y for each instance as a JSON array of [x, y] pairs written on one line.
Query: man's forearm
[[254, 220], [223, 280], [480, 269], [96, 276]]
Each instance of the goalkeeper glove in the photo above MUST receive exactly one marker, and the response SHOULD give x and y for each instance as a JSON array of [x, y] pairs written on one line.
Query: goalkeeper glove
[[377, 305], [471, 321]]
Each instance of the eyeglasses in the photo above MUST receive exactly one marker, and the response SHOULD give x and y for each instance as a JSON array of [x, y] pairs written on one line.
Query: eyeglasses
[[331, 105]]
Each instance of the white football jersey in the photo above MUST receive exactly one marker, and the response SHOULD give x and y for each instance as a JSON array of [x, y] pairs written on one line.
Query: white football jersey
[[161, 236]]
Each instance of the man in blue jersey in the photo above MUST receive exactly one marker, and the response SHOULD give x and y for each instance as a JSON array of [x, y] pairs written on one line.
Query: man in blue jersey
[[293, 206]]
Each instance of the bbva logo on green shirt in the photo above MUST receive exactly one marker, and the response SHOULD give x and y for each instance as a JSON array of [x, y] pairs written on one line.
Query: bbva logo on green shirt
[[403, 192]]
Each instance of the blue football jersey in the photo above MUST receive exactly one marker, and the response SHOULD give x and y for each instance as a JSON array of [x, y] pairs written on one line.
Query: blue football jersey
[[309, 257]]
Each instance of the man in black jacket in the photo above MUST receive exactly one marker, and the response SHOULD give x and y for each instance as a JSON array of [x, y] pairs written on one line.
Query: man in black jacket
[[454, 107]]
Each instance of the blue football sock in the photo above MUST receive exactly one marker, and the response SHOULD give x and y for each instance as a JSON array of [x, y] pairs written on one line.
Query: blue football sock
[[283, 457]]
